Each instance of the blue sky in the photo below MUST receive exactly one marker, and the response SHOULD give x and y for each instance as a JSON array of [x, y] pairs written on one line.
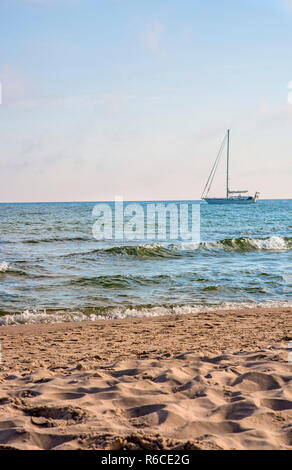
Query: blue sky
[[108, 97]]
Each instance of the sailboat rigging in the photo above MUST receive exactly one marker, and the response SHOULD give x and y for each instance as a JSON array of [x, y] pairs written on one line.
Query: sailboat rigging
[[232, 197]]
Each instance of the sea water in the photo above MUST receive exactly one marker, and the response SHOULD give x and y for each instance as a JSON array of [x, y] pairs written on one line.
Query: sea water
[[53, 269]]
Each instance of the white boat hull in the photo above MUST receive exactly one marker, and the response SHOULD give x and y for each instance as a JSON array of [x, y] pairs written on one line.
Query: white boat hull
[[232, 197], [224, 200]]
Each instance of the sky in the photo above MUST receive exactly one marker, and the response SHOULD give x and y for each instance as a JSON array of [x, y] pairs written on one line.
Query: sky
[[132, 97]]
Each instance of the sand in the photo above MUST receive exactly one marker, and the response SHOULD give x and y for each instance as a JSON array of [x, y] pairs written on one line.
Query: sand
[[217, 380]]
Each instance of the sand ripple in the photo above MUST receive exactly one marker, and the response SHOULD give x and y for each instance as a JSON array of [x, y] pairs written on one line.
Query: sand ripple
[[129, 385], [194, 402]]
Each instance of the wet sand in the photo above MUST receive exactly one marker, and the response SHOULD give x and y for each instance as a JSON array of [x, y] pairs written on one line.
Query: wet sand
[[216, 380]]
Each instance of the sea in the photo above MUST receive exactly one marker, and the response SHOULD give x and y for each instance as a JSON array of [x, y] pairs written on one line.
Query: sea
[[53, 269]]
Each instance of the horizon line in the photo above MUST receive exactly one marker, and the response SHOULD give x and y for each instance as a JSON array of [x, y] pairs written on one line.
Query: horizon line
[[132, 200]]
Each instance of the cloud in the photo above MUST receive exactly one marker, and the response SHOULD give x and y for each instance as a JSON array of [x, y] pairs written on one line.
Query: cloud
[[278, 113], [110, 102], [15, 87], [152, 37], [19, 91]]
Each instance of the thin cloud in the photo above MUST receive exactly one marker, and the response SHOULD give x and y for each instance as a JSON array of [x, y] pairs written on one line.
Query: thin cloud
[[281, 113], [152, 37], [113, 103], [15, 87]]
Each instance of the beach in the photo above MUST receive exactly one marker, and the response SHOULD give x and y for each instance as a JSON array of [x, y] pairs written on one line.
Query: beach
[[214, 380], [145, 228]]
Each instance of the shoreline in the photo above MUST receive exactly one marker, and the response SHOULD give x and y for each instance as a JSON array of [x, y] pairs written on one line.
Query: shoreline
[[232, 308], [214, 380], [130, 312], [251, 327]]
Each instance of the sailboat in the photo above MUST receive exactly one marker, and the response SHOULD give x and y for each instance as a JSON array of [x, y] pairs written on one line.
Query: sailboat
[[232, 197]]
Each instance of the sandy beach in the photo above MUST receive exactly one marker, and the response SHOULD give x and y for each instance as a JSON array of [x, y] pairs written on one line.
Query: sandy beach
[[217, 380]]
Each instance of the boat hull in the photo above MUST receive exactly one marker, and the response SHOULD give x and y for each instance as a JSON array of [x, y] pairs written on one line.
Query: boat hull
[[218, 200]]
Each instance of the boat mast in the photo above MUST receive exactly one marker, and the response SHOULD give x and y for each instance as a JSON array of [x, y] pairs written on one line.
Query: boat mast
[[227, 176]]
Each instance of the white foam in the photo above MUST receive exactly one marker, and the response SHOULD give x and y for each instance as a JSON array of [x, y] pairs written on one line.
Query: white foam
[[32, 317], [4, 266], [270, 244], [189, 246], [36, 317], [274, 243]]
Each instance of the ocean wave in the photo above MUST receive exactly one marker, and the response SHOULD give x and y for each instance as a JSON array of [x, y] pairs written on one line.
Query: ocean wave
[[118, 281], [243, 244], [32, 241], [14, 271], [149, 250], [240, 244], [115, 313], [4, 266], [159, 250], [171, 250]]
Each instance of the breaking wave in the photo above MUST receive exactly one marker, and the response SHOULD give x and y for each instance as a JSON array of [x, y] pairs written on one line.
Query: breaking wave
[[156, 250], [4, 266], [139, 311], [243, 244]]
